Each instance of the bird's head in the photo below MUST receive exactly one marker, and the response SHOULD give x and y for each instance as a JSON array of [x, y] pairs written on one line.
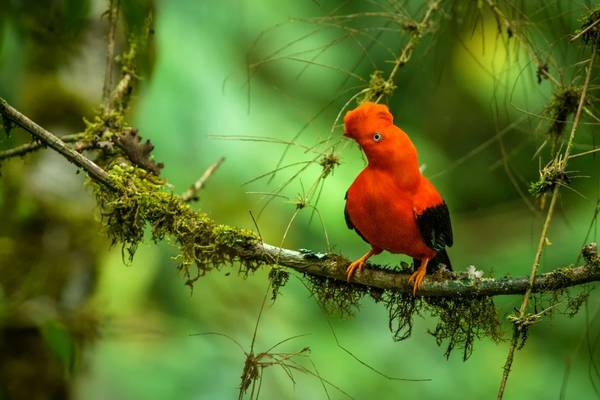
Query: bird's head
[[372, 126], [362, 123]]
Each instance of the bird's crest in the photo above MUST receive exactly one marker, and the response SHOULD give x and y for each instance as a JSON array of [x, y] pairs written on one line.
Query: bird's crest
[[366, 114]]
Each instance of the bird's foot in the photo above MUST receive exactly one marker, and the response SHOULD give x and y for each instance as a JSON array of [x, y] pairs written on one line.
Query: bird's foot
[[358, 264], [417, 277]]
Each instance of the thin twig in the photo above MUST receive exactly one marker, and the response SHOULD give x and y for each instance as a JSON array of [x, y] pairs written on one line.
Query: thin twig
[[113, 15], [408, 49], [351, 354], [192, 193], [574, 38], [501, 17], [563, 160], [56, 143], [585, 153], [121, 94], [34, 146]]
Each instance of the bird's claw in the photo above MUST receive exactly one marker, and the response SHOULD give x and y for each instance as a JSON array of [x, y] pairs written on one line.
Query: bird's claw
[[358, 264], [417, 277]]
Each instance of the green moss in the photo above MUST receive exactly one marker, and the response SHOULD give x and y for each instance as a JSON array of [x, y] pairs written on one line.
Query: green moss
[[401, 309], [329, 161], [378, 86], [336, 297], [590, 251], [591, 27], [551, 175], [120, 101], [127, 59], [563, 104], [141, 202], [574, 302], [104, 126], [278, 278], [559, 277], [460, 320], [541, 72]]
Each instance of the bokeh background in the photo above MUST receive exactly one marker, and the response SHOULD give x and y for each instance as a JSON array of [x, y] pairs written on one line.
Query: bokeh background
[[239, 79]]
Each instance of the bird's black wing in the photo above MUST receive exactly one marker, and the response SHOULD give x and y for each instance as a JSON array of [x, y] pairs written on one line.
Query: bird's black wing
[[436, 231], [435, 227], [349, 223]]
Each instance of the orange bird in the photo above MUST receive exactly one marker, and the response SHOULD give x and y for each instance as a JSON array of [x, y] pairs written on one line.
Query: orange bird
[[390, 204]]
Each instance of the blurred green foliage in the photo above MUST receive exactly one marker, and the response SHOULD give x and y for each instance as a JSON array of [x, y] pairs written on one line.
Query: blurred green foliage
[[469, 98]]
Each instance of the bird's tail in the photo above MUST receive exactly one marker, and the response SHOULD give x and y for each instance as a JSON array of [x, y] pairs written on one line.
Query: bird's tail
[[436, 262]]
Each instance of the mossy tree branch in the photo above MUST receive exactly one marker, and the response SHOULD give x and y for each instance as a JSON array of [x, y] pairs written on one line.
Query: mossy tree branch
[[441, 285], [246, 247], [56, 143]]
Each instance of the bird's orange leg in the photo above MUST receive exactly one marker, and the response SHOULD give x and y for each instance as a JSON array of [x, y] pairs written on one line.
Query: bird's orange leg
[[418, 275], [360, 263]]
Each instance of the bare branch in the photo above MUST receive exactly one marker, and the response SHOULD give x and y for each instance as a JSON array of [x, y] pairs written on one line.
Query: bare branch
[[192, 193]]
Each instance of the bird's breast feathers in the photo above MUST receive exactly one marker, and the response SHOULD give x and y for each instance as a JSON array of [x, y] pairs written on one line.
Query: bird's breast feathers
[[385, 214]]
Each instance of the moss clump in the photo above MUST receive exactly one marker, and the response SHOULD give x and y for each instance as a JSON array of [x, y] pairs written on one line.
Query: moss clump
[[574, 302], [378, 87], [563, 104], [328, 162], [541, 72], [401, 309], [103, 127], [551, 175], [558, 278], [336, 297], [460, 320], [140, 201], [590, 252], [591, 28], [278, 278]]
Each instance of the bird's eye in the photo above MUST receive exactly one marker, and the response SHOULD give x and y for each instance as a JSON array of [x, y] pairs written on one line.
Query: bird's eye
[[377, 137]]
